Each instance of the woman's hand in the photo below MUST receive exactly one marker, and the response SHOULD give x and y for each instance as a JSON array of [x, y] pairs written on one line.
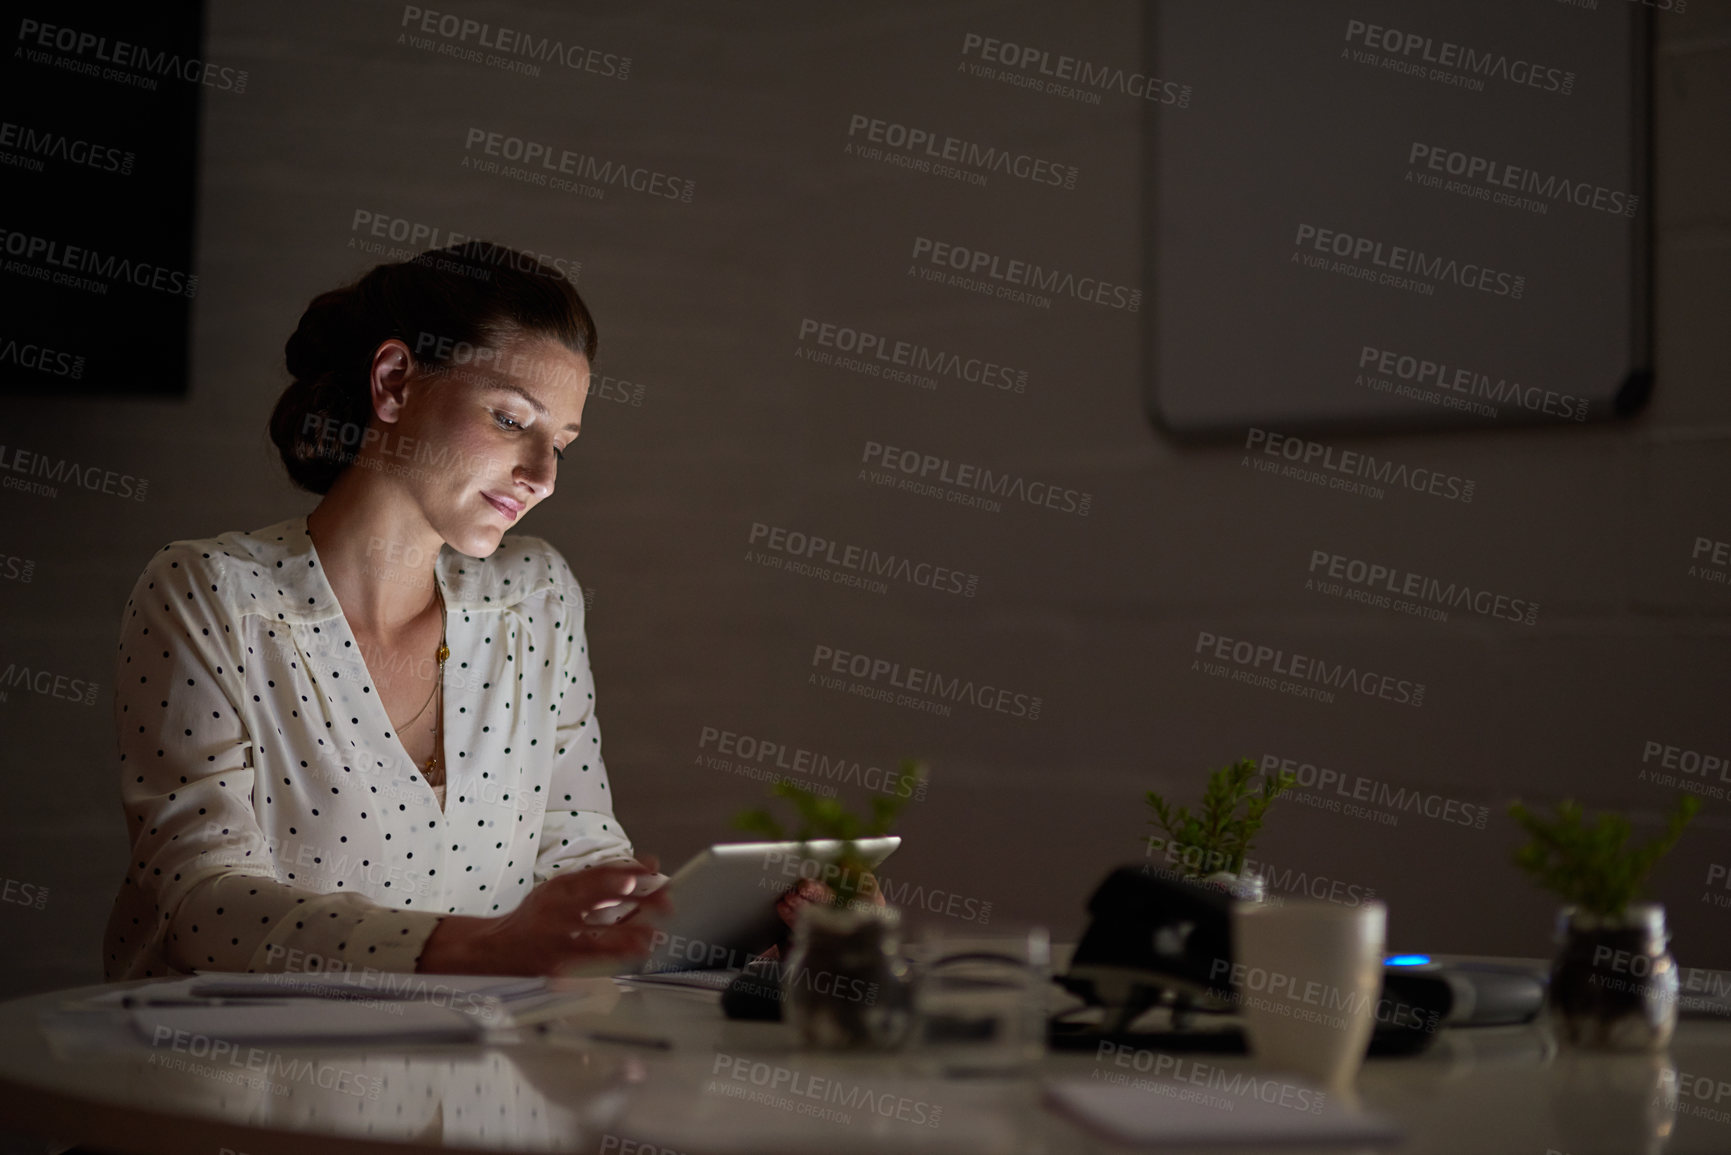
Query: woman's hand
[[652, 864], [805, 892], [546, 933], [808, 892]]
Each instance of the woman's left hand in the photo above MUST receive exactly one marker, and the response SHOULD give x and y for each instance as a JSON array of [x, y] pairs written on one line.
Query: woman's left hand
[[804, 893], [810, 891]]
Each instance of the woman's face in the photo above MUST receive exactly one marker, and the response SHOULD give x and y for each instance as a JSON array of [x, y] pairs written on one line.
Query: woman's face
[[488, 430]]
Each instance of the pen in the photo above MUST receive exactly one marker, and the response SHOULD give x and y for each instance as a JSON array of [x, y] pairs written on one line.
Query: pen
[[129, 1001]]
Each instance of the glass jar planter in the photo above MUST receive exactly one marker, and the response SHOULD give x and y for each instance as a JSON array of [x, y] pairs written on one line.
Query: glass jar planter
[[1613, 982], [846, 985], [1243, 887]]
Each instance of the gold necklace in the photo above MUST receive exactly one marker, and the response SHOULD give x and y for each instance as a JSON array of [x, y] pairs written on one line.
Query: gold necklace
[[439, 711], [438, 691]]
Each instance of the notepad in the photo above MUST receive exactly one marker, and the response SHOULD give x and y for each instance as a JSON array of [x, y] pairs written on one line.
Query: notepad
[[341, 1006], [303, 1022], [377, 985], [1237, 1108], [374, 987]]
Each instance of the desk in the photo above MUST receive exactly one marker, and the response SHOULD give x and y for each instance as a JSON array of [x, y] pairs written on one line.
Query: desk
[[1486, 1090]]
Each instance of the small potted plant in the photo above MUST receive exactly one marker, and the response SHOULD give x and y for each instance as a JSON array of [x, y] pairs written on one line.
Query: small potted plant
[[844, 984], [1613, 982], [1211, 846]]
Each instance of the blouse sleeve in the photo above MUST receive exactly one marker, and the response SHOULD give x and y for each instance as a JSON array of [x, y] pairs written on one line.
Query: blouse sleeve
[[579, 828], [200, 859]]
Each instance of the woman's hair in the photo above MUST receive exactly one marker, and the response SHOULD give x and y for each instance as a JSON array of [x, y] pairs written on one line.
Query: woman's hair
[[442, 305]]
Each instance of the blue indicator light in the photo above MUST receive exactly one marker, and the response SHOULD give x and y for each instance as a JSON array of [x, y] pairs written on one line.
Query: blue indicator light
[[1407, 960]]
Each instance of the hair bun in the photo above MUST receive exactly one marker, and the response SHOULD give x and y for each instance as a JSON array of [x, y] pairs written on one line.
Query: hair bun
[[319, 419], [468, 294], [319, 343]]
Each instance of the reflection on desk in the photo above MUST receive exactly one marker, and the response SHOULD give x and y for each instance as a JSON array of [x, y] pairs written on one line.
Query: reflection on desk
[[1499, 1089]]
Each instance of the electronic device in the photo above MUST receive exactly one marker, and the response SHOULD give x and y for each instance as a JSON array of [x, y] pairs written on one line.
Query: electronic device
[[724, 900], [754, 993], [1480, 994], [1150, 934], [1155, 939]]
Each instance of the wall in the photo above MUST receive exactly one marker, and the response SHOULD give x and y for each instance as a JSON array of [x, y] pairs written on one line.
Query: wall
[[700, 304]]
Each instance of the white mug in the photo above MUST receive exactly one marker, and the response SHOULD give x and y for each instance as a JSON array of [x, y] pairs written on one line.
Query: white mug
[[1306, 976]]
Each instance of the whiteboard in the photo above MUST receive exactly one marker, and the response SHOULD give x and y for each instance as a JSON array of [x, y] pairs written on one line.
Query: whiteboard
[[1398, 215]]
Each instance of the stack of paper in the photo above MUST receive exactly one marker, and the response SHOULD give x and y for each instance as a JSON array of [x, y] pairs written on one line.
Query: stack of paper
[[305, 1022], [314, 1009], [352, 985]]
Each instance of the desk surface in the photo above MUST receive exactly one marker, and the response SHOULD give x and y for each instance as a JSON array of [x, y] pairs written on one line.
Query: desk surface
[[1480, 1090]]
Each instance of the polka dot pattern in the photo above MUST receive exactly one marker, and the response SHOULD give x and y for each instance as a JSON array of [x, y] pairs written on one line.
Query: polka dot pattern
[[278, 824]]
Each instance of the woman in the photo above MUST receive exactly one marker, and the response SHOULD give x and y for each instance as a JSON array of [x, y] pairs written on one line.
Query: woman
[[366, 737]]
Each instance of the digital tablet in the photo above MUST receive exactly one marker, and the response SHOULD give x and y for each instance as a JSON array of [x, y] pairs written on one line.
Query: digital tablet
[[724, 900]]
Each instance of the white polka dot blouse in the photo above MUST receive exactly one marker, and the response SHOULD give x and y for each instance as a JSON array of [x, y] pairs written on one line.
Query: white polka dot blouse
[[277, 823]]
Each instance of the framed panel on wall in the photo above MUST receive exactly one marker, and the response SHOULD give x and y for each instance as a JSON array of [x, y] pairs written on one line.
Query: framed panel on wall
[[1408, 215], [99, 165]]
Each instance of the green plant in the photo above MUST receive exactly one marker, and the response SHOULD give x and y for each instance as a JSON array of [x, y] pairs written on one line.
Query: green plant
[[1219, 835], [826, 818], [1591, 866]]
